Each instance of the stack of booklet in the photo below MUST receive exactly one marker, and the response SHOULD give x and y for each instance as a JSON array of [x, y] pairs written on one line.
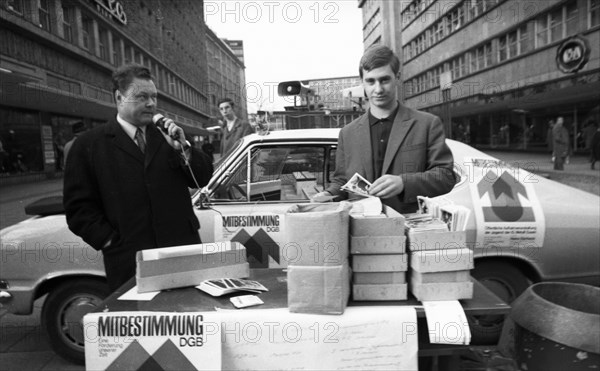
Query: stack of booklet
[[433, 212], [222, 286]]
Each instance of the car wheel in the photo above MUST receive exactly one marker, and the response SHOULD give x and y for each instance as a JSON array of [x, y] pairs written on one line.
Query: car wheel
[[507, 282], [62, 315]]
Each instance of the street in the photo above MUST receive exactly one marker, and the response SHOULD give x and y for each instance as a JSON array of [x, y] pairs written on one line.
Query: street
[[23, 343]]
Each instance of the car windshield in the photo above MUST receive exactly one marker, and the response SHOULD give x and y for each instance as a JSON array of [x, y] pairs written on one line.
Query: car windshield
[[221, 160]]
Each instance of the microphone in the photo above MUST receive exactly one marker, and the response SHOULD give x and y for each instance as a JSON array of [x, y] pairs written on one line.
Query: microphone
[[159, 121]]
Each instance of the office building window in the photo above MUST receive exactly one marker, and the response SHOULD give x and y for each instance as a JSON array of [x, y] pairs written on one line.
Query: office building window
[[594, 13], [489, 58], [67, 24], [44, 13], [541, 32], [525, 43], [512, 38], [15, 6], [87, 32], [117, 55], [556, 24], [103, 44], [572, 17], [502, 49]]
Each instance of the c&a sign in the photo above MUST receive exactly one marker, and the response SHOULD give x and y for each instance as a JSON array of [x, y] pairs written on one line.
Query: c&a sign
[[572, 54]]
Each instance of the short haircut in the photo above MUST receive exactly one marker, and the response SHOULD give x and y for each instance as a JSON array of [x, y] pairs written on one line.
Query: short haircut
[[225, 100], [124, 75], [378, 56]]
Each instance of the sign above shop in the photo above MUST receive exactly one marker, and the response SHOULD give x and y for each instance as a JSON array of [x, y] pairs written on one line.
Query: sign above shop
[[572, 54], [112, 9]]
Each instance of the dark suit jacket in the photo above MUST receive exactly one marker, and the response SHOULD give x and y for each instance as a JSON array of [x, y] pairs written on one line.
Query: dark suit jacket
[[239, 130], [112, 191], [416, 151]]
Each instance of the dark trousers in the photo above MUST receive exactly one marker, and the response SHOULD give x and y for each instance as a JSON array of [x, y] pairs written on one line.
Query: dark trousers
[[559, 162]]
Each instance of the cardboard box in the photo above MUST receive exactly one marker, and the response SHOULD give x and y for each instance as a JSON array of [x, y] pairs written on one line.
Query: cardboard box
[[433, 277], [389, 223], [442, 290], [377, 244], [378, 278], [380, 263], [318, 234], [427, 261], [397, 291], [432, 240], [180, 266], [319, 290]]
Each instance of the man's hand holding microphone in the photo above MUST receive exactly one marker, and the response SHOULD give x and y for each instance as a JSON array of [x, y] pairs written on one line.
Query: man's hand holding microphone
[[173, 134]]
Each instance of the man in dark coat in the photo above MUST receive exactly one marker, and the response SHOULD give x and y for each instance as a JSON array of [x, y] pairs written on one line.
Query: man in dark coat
[[234, 128], [126, 182]]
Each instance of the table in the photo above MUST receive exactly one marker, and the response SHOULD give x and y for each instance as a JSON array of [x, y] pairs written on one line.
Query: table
[[190, 299]]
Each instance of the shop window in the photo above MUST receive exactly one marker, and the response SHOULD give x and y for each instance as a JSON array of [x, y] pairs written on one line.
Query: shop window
[[44, 14], [21, 142], [594, 13], [67, 24]]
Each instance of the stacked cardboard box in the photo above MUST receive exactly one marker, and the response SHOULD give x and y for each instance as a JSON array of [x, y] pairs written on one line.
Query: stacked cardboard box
[[189, 265], [318, 276], [439, 265], [379, 260]]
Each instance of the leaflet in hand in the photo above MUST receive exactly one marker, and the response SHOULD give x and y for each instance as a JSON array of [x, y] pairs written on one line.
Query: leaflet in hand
[[357, 185], [222, 286]]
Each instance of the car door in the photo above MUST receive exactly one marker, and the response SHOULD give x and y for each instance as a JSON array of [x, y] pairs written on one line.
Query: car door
[[249, 204]]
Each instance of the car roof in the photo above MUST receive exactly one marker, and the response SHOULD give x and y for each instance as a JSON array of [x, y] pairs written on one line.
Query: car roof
[[297, 134]]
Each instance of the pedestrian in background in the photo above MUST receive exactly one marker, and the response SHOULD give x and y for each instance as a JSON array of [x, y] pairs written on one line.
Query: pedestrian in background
[[560, 143], [77, 128], [549, 139], [234, 128]]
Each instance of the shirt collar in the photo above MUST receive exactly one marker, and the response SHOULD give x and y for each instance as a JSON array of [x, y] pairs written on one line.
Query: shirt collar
[[129, 128], [373, 120]]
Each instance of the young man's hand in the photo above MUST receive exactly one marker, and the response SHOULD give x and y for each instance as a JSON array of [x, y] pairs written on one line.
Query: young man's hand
[[387, 186]]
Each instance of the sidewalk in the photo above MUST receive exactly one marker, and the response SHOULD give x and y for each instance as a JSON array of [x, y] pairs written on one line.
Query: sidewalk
[[577, 172]]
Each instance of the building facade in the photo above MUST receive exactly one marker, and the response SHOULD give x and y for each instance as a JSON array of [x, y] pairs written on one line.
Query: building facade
[[56, 61], [226, 74], [499, 71]]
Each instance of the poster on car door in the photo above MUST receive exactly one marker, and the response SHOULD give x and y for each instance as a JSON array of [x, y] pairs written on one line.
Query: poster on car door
[[152, 341], [260, 229], [507, 210]]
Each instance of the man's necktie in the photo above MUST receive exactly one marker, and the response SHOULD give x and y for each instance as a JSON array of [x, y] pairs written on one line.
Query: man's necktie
[[139, 138]]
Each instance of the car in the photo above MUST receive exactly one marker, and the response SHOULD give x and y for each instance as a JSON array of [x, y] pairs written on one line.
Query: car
[[523, 229]]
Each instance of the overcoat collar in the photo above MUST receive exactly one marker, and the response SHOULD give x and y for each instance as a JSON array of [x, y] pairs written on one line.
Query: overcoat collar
[[122, 141]]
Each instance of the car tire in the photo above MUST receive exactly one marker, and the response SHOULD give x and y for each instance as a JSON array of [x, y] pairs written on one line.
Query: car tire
[[62, 315], [507, 282]]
